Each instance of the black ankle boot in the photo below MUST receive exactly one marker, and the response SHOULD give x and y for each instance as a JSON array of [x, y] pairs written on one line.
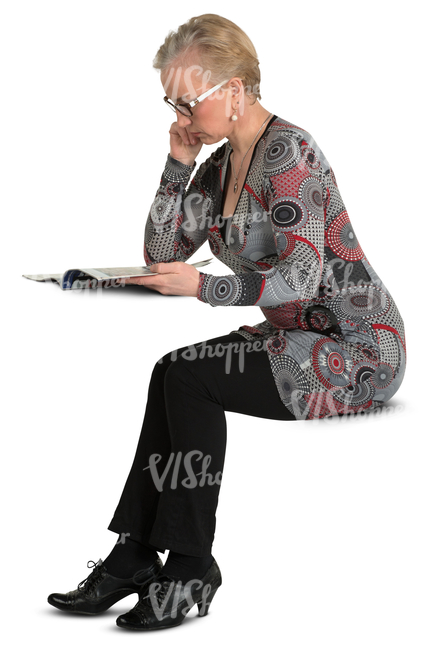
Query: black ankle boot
[[187, 567], [100, 590], [166, 601]]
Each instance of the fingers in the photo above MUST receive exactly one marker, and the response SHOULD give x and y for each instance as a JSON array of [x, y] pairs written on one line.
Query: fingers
[[166, 267], [171, 279], [184, 134], [130, 280], [180, 133], [193, 140], [146, 280]]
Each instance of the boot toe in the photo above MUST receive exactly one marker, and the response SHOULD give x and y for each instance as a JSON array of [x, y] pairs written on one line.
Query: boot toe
[[61, 601], [131, 621]]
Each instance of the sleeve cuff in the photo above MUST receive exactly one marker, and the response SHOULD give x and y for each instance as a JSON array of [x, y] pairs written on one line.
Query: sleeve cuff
[[176, 171], [202, 285]]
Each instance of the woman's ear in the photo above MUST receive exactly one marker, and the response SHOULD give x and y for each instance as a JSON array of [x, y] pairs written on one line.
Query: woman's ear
[[236, 87]]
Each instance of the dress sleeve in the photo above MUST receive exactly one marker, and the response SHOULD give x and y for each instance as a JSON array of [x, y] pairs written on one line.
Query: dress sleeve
[[179, 218], [293, 194]]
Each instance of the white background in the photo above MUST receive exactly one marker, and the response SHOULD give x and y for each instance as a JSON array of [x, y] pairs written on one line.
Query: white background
[[329, 534]]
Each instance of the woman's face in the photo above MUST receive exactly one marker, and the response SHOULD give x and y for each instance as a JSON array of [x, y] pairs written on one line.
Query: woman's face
[[211, 119]]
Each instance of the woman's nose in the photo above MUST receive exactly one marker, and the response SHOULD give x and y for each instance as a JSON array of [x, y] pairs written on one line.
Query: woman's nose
[[183, 120]]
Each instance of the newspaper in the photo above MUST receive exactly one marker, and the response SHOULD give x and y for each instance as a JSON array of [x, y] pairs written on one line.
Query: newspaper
[[92, 278]]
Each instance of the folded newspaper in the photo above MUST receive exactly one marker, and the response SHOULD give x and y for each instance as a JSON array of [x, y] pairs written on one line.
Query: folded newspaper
[[92, 278]]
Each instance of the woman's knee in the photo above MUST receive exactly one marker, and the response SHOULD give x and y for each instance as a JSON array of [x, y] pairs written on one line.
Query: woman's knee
[[164, 363], [178, 375]]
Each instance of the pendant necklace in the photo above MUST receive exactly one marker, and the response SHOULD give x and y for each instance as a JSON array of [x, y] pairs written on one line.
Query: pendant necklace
[[241, 165]]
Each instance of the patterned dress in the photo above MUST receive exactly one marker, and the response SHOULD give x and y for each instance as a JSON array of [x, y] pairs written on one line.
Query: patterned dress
[[335, 338]]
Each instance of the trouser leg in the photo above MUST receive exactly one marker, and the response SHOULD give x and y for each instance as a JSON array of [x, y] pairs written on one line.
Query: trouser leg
[[137, 507], [189, 433]]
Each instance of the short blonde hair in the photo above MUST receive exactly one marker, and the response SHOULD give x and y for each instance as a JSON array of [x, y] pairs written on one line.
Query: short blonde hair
[[222, 47]]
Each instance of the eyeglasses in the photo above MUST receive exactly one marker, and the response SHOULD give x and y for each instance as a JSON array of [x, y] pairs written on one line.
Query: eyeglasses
[[185, 108]]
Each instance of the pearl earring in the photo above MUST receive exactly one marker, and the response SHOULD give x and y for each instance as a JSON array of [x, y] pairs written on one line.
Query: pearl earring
[[234, 118]]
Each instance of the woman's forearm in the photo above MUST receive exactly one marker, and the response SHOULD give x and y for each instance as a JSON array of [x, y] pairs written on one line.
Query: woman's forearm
[[163, 240]]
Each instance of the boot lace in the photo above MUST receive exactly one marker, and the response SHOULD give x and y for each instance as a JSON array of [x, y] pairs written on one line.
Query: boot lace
[[89, 584], [162, 592]]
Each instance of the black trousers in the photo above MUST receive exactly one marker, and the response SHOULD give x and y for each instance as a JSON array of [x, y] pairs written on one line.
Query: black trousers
[[171, 493]]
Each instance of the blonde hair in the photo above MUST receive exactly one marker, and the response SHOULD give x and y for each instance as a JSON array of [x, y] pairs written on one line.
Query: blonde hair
[[221, 46]]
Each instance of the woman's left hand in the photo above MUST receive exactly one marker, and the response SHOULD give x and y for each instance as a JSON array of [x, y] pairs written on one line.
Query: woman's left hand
[[173, 279]]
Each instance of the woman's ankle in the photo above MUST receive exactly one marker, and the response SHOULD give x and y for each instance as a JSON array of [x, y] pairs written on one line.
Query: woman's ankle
[[187, 567], [129, 556]]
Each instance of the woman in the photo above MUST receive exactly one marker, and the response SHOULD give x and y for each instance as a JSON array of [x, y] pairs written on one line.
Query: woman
[[332, 343]]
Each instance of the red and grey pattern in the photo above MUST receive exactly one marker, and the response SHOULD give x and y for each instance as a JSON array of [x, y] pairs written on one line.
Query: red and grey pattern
[[335, 338]]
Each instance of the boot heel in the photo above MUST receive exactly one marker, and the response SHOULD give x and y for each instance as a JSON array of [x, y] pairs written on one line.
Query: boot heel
[[203, 605]]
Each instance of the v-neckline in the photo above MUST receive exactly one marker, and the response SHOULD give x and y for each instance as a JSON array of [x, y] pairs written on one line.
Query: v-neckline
[[274, 117]]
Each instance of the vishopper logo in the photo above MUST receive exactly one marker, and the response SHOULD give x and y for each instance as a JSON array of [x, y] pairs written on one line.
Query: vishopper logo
[[82, 283], [206, 220], [345, 269], [170, 599], [332, 285], [323, 408], [197, 213], [202, 349], [190, 481]]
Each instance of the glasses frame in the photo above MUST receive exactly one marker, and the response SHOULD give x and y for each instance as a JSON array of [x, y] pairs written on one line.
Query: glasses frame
[[190, 105]]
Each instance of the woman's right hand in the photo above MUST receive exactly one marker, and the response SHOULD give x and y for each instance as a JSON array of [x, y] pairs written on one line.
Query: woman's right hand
[[185, 146]]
